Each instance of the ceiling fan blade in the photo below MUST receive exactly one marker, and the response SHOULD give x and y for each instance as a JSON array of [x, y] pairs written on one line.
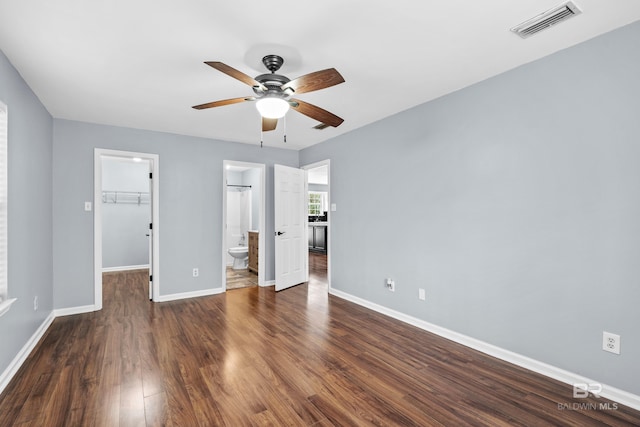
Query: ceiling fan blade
[[316, 113], [223, 102], [269, 124], [239, 75], [315, 81]]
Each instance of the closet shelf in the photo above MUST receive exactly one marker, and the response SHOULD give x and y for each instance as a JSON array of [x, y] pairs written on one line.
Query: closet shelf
[[126, 197]]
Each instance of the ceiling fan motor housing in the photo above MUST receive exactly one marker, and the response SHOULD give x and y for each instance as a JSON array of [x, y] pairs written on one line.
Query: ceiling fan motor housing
[[273, 83]]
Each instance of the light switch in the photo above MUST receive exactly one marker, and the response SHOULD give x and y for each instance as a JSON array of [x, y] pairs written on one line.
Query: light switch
[[333, 207], [87, 206]]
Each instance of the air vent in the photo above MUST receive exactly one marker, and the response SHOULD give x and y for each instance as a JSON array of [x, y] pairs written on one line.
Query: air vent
[[321, 126], [547, 19]]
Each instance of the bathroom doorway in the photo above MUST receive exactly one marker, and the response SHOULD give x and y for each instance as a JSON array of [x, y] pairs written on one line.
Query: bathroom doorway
[[319, 209], [243, 224]]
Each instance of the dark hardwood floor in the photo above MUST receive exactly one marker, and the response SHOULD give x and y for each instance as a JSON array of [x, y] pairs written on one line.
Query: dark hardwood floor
[[317, 269], [299, 357]]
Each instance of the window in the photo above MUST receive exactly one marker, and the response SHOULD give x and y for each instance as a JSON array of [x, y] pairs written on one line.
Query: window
[[317, 203], [5, 302]]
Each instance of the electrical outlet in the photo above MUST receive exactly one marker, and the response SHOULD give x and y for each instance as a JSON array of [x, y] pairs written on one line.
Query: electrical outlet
[[35, 303], [196, 272], [391, 285], [611, 342], [422, 295]]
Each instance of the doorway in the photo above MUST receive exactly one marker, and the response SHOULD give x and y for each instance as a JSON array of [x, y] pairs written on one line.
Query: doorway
[[319, 209], [126, 220], [243, 225]]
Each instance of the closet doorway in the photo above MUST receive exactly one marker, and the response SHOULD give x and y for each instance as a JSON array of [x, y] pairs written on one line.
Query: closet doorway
[[243, 225], [125, 217]]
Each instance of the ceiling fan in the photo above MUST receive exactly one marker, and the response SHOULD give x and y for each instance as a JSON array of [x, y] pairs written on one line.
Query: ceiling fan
[[273, 93]]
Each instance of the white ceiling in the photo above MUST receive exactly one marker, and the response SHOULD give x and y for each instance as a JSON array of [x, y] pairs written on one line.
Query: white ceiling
[[140, 63]]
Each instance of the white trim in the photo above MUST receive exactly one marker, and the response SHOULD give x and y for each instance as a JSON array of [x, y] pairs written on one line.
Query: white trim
[[124, 268], [615, 394], [269, 283], [262, 228], [6, 305], [22, 355], [185, 295], [154, 160], [60, 312]]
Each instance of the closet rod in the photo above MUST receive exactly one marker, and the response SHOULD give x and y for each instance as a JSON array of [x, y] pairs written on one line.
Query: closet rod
[[139, 197], [243, 186], [124, 192]]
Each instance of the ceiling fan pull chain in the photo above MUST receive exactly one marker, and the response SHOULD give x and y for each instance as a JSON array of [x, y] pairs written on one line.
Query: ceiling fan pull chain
[[261, 137], [284, 125]]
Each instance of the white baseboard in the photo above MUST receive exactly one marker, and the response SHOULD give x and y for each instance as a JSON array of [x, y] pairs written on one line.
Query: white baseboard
[[203, 293], [269, 283], [59, 312], [124, 268], [22, 355], [615, 394]]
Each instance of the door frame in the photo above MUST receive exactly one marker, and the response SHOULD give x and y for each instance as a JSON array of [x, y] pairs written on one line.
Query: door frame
[[261, 221], [154, 161], [327, 163]]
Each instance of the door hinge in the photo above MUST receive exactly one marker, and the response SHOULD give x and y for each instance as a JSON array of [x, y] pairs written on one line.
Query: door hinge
[[151, 278], [150, 226], [150, 175]]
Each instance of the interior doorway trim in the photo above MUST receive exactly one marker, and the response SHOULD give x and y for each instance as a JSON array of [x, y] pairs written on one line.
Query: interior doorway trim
[[154, 160], [261, 237], [326, 163]]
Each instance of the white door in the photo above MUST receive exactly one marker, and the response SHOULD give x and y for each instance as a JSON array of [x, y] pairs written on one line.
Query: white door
[[290, 188]]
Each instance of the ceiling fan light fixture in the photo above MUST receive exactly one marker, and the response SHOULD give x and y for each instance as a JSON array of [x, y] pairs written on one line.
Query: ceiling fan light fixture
[[272, 108]]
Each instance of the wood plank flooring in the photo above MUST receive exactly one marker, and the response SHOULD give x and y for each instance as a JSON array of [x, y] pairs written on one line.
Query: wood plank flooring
[[317, 269], [255, 357], [237, 279]]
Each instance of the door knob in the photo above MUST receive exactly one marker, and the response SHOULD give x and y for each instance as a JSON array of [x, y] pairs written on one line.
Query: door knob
[[279, 233]]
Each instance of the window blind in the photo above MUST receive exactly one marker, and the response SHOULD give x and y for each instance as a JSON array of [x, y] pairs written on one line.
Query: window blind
[[3, 203]]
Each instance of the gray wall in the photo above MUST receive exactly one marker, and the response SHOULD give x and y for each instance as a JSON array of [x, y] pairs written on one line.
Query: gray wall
[[515, 203], [191, 187], [125, 224], [30, 229]]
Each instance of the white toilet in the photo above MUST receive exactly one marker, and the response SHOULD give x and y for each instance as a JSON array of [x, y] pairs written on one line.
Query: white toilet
[[240, 256]]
